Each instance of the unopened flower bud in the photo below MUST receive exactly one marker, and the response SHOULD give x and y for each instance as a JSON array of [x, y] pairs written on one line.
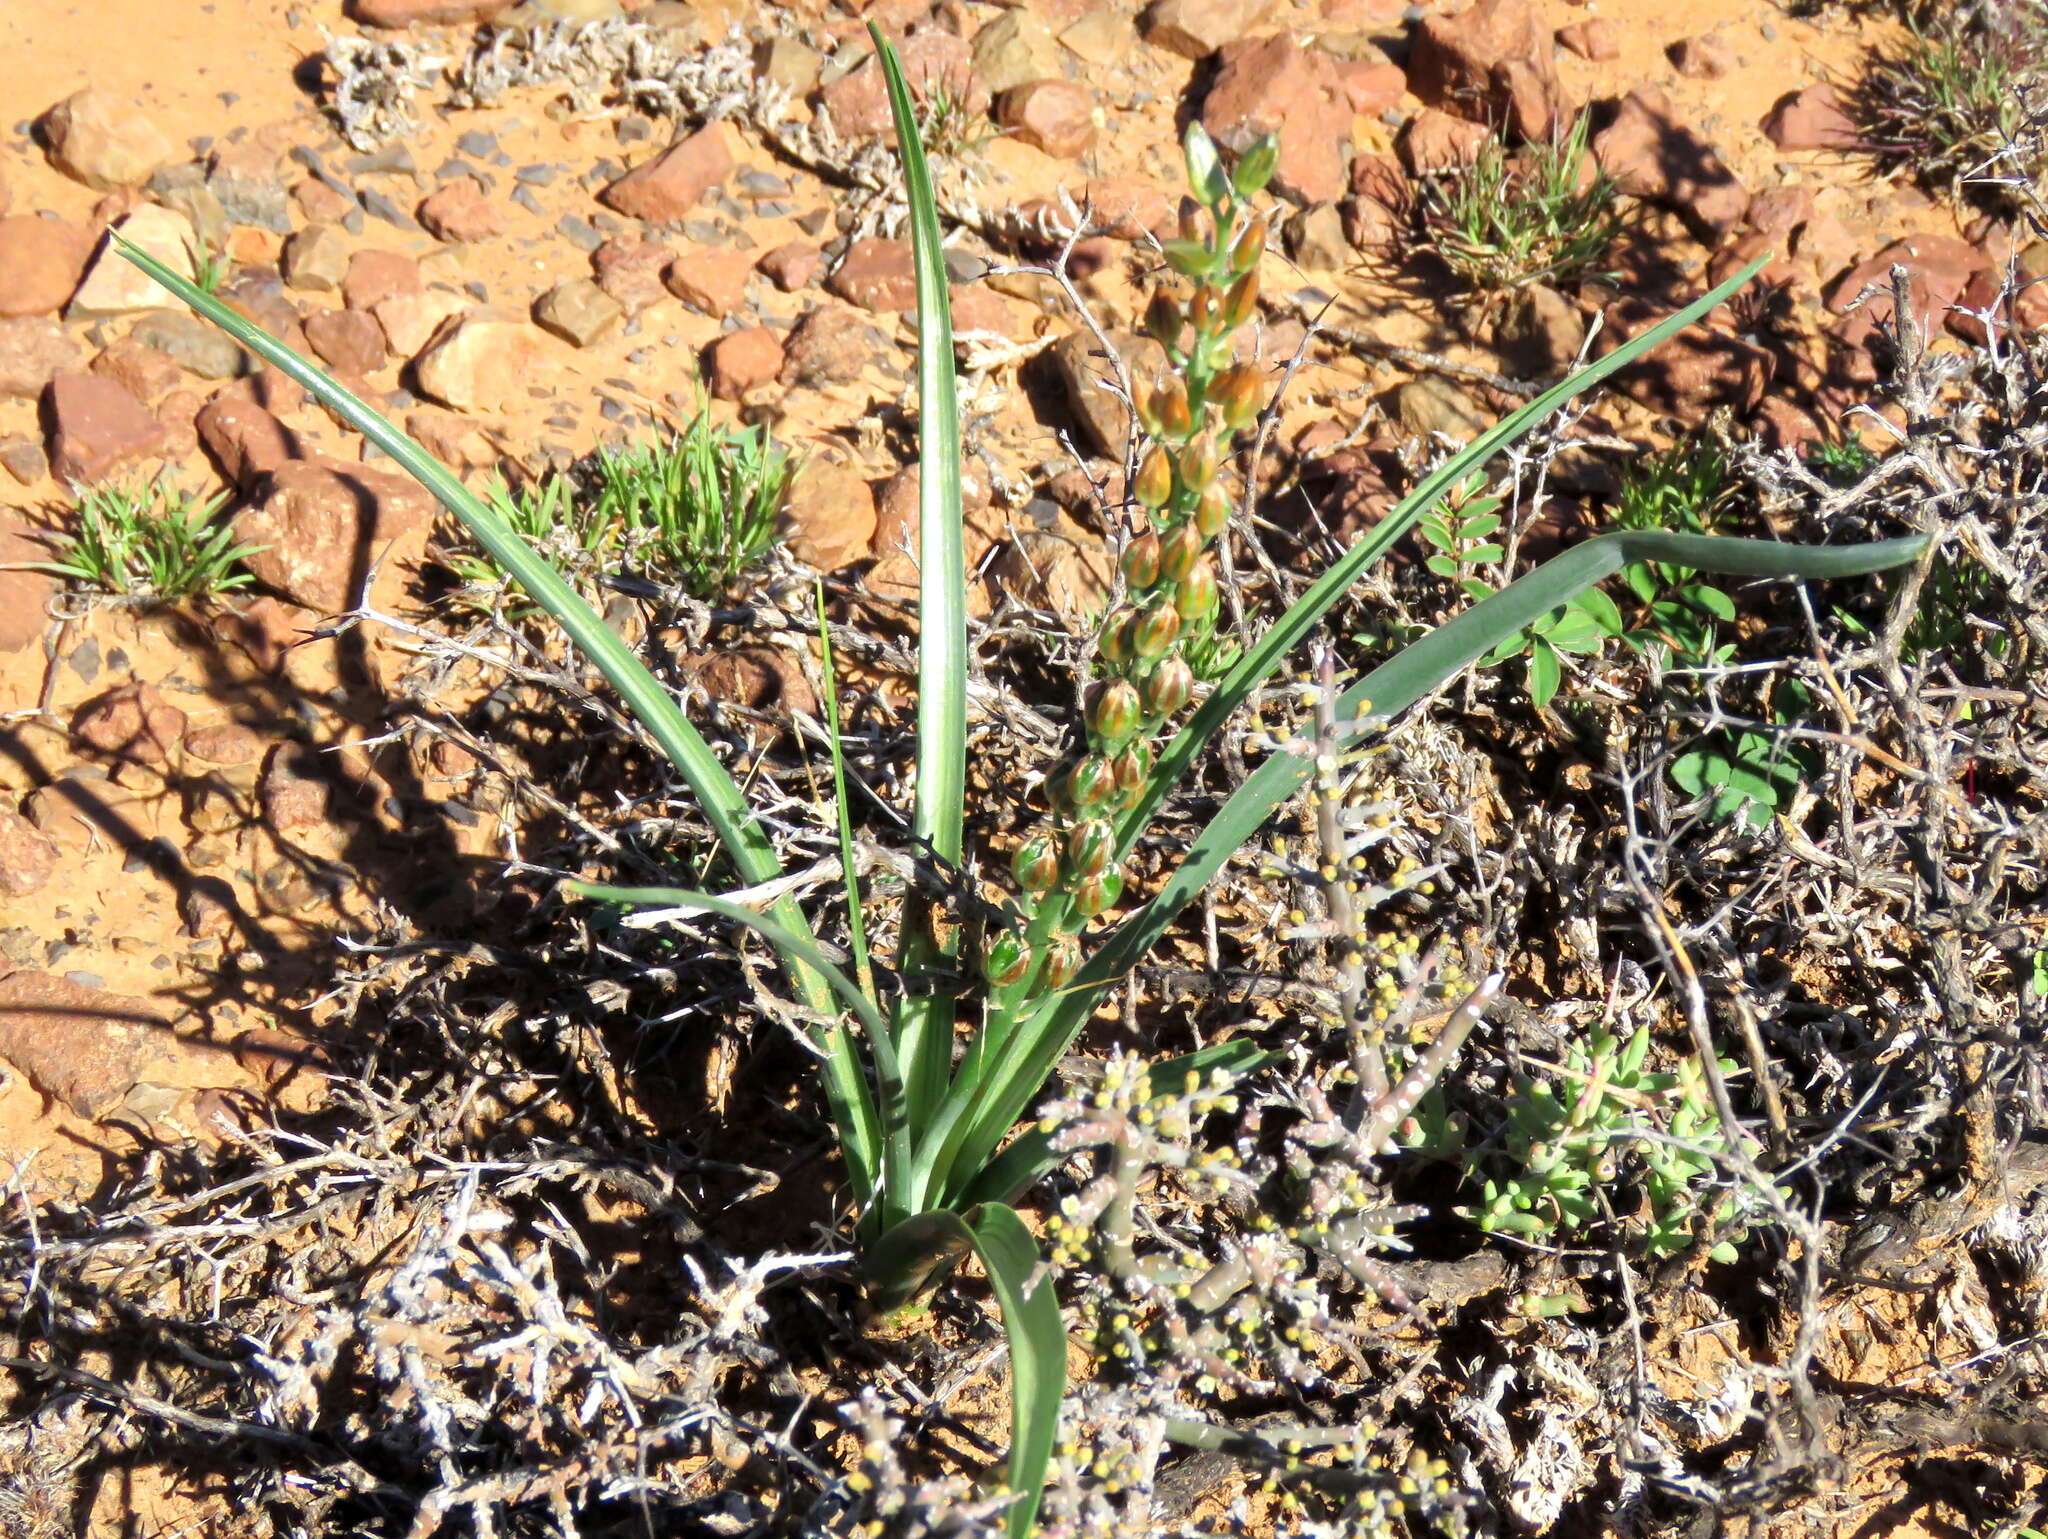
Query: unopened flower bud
[[1168, 415], [1036, 865], [1089, 784], [1006, 958], [1237, 393], [1114, 712], [1089, 848], [1154, 483], [1202, 310], [1212, 511], [1198, 462], [1193, 225], [1244, 256], [1141, 562], [1242, 302], [1179, 551], [1154, 631], [1132, 767], [1116, 636], [1167, 688], [1163, 320], [1197, 596], [1097, 894], [1061, 962]]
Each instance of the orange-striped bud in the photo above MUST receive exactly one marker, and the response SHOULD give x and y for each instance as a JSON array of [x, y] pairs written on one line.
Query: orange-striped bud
[[1154, 484], [1154, 631], [1061, 962], [1198, 462], [1168, 416], [1006, 959], [1141, 562], [1202, 310], [1036, 865], [1097, 894], [1114, 711], [1089, 848], [1197, 595], [1251, 245], [1116, 636], [1089, 784], [1163, 320], [1133, 768], [1212, 511], [1238, 393], [1242, 302], [1166, 689], [1179, 551]]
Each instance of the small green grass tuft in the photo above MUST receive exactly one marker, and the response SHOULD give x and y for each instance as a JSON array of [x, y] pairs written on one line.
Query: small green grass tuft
[[1953, 102], [695, 508], [151, 540], [1540, 215]]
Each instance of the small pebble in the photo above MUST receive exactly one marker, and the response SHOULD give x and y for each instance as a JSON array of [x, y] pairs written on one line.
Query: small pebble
[[381, 207], [524, 197], [85, 660], [537, 175], [479, 144], [578, 233]]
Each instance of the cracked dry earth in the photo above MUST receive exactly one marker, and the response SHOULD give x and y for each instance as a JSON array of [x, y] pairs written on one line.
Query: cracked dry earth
[[199, 805]]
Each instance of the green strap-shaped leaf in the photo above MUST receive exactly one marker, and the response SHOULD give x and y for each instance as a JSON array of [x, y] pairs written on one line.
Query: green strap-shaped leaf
[[924, 1017], [977, 1125], [924, 1247]]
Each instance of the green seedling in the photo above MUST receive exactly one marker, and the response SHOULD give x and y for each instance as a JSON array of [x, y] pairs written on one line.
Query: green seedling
[[151, 540], [928, 1071]]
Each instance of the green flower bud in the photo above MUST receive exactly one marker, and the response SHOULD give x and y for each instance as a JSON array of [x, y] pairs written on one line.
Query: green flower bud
[[1179, 552], [1006, 958], [1197, 595], [1141, 562], [1244, 256], [1167, 688], [1237, 393], [1036, 865], [1132, 768], [1163, 320], [1090, 783], [1154, 484], [1242, 302], [1212, 511], [1098, 893], [1154, 631], [1089, 848], [1255, 167], [1114, 711], [1198, 462], [1061, 962], [1116, 635], [1202, 310], [1166, 411]]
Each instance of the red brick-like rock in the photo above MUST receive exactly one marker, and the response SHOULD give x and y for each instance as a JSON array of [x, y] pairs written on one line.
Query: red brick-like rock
[[1194, 29], [790, 267], [831, 345], [24, 594], [1938, 267], [132, 724], [1269, 83], [1811, 119], [1491, 64], [145, 373], [876, 274], [95, 426], [374, 276], [831, 514], [247, 442], [630, 271], [41, 263], [458, 210], [79, 1045], [933, 63], [1654, 156], [1700, 368], [324, 522], [27, 857], [1779, 210], [712, 279], [1707, 57], [741, 360], [1055, 116], [1436, 141], [1597, 39], [31, 351], [668, 187], [348, 340]]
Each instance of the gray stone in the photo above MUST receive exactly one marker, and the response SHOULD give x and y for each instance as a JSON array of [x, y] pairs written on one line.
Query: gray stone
[[199, 348]]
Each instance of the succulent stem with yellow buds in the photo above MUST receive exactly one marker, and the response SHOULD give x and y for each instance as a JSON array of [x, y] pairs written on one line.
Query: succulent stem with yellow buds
[[1180, 506]]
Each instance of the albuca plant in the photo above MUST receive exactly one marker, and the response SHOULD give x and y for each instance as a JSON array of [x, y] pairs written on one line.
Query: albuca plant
[[926, 1120], [151, 540]]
